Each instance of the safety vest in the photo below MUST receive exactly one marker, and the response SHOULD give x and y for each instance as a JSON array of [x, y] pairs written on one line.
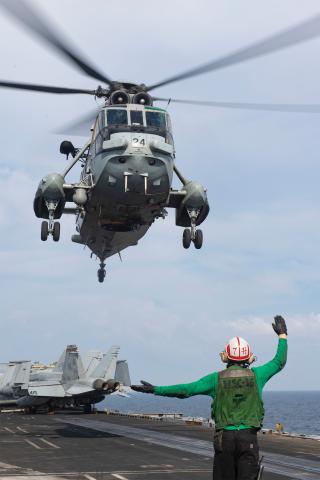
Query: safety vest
[[237, 400]]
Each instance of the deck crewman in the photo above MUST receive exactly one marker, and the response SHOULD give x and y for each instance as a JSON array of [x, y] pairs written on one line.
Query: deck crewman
[[237, 407]]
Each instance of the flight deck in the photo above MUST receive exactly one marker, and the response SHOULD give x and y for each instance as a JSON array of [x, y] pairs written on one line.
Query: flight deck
[[107, 447]]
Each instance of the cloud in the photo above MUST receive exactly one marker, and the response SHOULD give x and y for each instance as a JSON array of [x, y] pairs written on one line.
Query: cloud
[[299, 325]]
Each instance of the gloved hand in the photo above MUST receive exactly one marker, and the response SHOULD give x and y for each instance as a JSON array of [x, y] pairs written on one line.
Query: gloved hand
[[279, 325], [144, 388]]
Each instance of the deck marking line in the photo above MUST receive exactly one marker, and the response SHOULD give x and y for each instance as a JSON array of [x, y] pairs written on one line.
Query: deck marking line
[[33, 444], [33, 476], [22, 430], [89, 477], [120, 477], [302, 469], [9, 430], [157, 466], [129, 472], [6, 465], [53, 445], [20, 473]]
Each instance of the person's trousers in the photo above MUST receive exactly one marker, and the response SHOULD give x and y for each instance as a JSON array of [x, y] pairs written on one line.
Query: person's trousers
[[236, 455]]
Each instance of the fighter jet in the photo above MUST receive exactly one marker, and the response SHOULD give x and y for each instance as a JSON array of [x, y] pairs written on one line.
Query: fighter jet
[[69, 384], [91, 361], [14, 378]]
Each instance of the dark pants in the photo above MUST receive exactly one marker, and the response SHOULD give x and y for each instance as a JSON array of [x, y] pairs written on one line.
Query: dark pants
[[236, 455]]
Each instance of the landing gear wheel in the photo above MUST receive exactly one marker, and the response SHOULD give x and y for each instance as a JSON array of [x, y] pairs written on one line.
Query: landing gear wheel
[[87, 409], [186, 238], [44, 231], [56, 232], [198, 239], [101, 274]]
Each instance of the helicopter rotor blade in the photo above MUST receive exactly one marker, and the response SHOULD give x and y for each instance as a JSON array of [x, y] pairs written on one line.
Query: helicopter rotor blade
[[25, 14], [44, 88], [270, 107], [299, 33], [80, 127]]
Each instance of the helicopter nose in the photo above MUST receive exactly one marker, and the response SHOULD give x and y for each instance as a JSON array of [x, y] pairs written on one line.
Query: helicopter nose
[[136, 182], [138, 174]]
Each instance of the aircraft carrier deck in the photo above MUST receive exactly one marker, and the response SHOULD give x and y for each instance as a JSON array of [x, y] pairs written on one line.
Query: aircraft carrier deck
[[106, 447]]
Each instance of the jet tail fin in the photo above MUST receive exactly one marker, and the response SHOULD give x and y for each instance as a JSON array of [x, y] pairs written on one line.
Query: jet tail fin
[[70, 367], [16, 375], [60, 363], [91, 361], [122, 374], [107, 366], [22, 374]]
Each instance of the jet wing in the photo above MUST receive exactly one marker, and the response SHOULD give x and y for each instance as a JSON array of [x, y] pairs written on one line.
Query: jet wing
[[47, 390], [79, 389]]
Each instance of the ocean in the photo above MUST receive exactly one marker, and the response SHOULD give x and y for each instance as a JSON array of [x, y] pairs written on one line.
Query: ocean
[[299, 412]]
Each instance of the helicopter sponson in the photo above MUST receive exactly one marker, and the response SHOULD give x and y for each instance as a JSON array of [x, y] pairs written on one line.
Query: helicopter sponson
[[195, 200], [50, 193]]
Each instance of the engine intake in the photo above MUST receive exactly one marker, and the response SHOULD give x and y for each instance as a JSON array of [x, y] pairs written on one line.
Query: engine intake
[[119, 97], [142, 98]]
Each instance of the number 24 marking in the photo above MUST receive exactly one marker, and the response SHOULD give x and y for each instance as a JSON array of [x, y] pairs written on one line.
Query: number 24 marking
[[138, 141]]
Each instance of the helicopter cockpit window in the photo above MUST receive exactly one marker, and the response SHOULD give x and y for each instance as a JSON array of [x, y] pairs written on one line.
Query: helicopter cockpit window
[[117, 116], [136, 117], [169, 125], [156, 119]]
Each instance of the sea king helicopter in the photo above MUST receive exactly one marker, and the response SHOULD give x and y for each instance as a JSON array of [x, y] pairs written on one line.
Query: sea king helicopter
[[128, 163]]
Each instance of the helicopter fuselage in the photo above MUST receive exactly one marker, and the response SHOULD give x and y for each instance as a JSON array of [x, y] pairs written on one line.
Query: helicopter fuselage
[[132, 176], [125, 183]]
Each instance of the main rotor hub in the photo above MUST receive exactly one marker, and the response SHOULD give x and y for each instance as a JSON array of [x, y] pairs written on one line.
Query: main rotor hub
[[122, 93]]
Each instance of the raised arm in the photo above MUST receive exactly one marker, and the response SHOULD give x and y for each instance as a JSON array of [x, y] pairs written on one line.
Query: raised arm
[[269, 369], [204, 386]]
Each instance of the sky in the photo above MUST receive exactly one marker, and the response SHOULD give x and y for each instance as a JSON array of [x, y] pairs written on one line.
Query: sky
[[171, 310]]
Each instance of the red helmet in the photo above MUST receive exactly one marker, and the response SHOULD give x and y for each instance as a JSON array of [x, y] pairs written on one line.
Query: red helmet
[[238, 350]]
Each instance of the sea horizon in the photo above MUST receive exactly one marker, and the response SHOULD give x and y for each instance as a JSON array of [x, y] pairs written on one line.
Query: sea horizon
[[297, 410]]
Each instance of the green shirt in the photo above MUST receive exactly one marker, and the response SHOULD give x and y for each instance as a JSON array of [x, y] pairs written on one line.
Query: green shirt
[[208, 385]]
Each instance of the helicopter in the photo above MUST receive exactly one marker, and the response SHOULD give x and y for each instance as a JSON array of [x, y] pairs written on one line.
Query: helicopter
[[128, 163]]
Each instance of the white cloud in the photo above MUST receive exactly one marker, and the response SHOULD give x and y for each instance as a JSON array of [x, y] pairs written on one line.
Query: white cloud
[[299, 325]]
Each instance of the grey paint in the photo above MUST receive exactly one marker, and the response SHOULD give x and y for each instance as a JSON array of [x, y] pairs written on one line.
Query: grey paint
[[67, 384]]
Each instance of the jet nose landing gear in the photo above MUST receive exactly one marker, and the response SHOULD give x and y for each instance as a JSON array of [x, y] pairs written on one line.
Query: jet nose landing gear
[[192, 234], [101, 272]]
